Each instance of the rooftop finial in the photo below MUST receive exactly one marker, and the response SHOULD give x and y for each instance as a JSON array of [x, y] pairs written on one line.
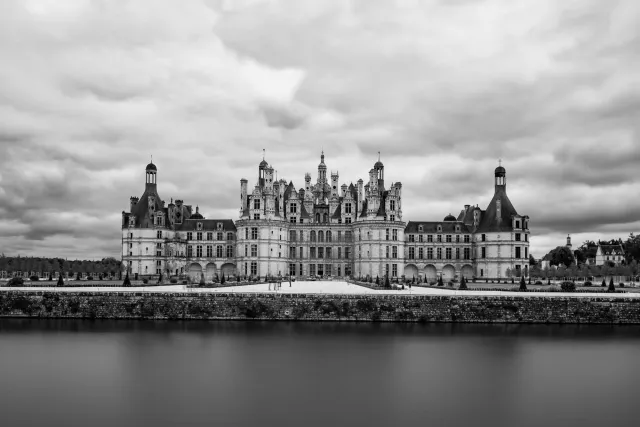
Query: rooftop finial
[[500, 162], [378, 156], [152, 158], [263, 154]]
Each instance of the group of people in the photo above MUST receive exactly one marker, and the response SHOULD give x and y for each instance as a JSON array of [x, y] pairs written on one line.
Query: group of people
[[278, 285]]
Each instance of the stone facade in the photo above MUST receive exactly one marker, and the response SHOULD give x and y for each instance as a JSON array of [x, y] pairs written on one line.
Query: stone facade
[[323, 229]]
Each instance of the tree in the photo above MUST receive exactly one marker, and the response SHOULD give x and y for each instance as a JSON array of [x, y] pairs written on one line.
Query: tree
[[221, 280], [377, 280], [463, 284], [386, 281], [612, 287], [440, 282], [60, 281], [532, 261], [202, 279], [632, 248], [523, 285], [508, 272], [127, 281], [560, 255], [160, 279]]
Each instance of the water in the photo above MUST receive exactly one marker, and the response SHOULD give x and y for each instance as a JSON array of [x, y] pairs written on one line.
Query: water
[[133, 373]]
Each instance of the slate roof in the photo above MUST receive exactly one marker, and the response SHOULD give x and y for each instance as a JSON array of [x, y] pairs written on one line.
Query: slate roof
[[141, 209], [431, 227], [612, 249], [207, 225], [489, 222]]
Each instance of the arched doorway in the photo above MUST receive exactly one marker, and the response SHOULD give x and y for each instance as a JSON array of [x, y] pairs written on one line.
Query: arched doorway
[[210, 272], [228, 269], [195, 272], [467, 272], [411, 271], [448, 273], [430, 273]]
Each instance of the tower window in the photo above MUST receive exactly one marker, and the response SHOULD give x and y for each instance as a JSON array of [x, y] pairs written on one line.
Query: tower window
[[256, 203]]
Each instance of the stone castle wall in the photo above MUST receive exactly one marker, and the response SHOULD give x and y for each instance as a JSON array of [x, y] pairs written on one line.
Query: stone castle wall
[[180, 306]]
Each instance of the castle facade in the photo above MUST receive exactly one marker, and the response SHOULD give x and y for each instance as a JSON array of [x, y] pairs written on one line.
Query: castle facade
[[322, 229]]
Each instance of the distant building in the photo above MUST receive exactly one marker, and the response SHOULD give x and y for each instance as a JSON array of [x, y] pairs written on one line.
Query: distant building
[[609, 252]]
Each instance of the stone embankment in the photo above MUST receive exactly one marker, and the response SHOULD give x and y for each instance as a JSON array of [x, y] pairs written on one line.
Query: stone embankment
[[316, 307]]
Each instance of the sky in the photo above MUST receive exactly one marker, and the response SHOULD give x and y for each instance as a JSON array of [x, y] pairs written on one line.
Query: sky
[[91, 89]]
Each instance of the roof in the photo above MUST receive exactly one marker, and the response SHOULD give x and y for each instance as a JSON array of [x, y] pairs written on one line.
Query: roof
[[207, 225], [378, 165], [432, 227], [338, 212], [611, 249], [500, 170], [450, 218], [489, 221], [141, 210], [151, 167], [264, 164]]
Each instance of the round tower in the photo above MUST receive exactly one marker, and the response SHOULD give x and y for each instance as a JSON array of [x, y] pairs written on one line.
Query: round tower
[[501, 178], [322, 170], [151, 172]]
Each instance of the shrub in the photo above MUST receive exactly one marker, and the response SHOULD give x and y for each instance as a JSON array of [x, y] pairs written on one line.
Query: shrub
[[174, 280], [538, 282], [16, 281], [34, 278], [523, 286], [603, 283], [587, 284], [568, 287], [440, 282], [450, 284], [612, 287], [621, 285], [145, 281], [221, 280], [89, 277], [463, 284], [433, 283], [377, 280], [184, 282], [202, 279], [386, 282], [127, 281], [60, 281]]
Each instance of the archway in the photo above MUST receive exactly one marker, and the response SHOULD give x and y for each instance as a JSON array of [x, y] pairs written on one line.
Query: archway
[[467, 272], [448, 273], [430, 273], [228, 269], [210, 272], [411, 271], [195, 272]]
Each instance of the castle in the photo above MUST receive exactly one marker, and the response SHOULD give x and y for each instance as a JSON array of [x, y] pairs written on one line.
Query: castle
[[323, 229]]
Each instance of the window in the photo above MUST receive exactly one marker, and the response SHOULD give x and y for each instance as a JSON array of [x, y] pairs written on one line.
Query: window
[[347, 236], [526, 252], [292, 220], [210, 235], [328, 253], [312, 252], [347, 253], [254, 268], [517, 224], [457, 238], [517, 237], [301, 255], [339, 252], [484, 252], [467, 253], [312, 269], [218, 226], [526, 237], [347, 208], [320, 236], [209, 251], [394, 252], [420, 229], [347, 220], [229, 251], [457, 253], [466, 238], [189, 236], [387, 252], [412, 238], [189, 251], [429, 253], [229, 236], [256, 203], [394, 270], [292, 269], [219, 236], [158, 253], [392, 217], [130, 245], [517, 251], [484, 237], [392, 205], [448, 253], [199, 226], [312, 236], [158, 263], [293, 208], [420, 238], [321, 252], [395, 234], [218, 251], [448, 238], [430, 238], [420, 253], [292, 252], [254, 250], [256, 216], [254, 232], [387, 235], [246, 250], [439, 253], [329, 237], [159, 234], [199, 251], [412, 253], [439, 238], [158, 270], [199, 235]]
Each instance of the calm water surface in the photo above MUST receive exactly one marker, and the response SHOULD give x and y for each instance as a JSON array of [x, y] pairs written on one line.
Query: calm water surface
[[133, 373]]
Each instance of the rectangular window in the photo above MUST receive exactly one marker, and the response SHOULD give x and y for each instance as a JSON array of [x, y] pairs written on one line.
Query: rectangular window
[[466, 238], [312, 252], [429, 253], [254, 233], [347, 253], [219, 251], [526, 252], [292, 252], [526, 237], [339, 252], [412, 238], [394, 251], [328, 252], [347, 220], [189, 236], [387, 235], [293, 208], [320, 252], [484, 237], [412, 253], [420, 253], [347, 236], [394, 270], [439, 253], [292, 269], [448, 238], [209, 236], [301, 255], [158, 253], [292, 220], [189, 251], [246, 234], [229, 251], [448, 253], [439, 238], [420, 238], [158, 270], [256, 216], [256, 203], [517, 251], [467, 253], [246, 250], [210, 251], [517, 224], [229, 236], [254, 268], [457, 253], [219, 236], [312, 269], [387, 251], [517, 237], [159, 234], [430, 238], [395, 234], [457, 238], [199, 235], [484, 252], [347, 208], [254, 250], [199, 251]]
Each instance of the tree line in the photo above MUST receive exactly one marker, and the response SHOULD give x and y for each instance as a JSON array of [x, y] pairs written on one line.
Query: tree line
[[44, 267]]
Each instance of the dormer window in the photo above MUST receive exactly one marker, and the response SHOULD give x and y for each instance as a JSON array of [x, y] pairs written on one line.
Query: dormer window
[[199, 225], [457, 228], [439, 228], [420, 229], [219, 226]]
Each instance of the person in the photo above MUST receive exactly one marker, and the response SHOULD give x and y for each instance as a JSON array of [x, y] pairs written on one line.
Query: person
[[269, 285], [289, 281]]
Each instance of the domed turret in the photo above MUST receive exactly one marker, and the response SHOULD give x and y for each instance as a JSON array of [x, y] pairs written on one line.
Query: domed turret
[[197, 215], [450, 218], [501, 177], [152, 167], [151, 171]]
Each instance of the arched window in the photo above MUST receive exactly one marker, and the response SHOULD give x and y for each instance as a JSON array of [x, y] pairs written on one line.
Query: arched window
[[317, 217], [326, 218], [320, 236], [292, 236], [328, 236], [312, 236]]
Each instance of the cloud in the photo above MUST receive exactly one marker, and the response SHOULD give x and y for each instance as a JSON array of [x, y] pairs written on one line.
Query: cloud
[[89, 90]]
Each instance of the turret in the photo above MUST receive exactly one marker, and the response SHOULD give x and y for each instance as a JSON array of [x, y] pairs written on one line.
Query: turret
[[133, 201], [322, 170], [379, 168], [334, 184], [501, 178], [569, 241], [261, 168], [150, 184]]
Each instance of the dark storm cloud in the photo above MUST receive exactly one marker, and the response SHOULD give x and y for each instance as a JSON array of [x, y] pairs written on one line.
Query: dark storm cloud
[[90, 90]]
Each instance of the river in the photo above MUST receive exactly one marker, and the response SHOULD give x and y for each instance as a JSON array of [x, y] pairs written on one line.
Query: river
[[135, 373]]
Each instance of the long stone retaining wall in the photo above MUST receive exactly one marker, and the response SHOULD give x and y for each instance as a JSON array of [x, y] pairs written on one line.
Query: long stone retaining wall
[[315, 307]]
